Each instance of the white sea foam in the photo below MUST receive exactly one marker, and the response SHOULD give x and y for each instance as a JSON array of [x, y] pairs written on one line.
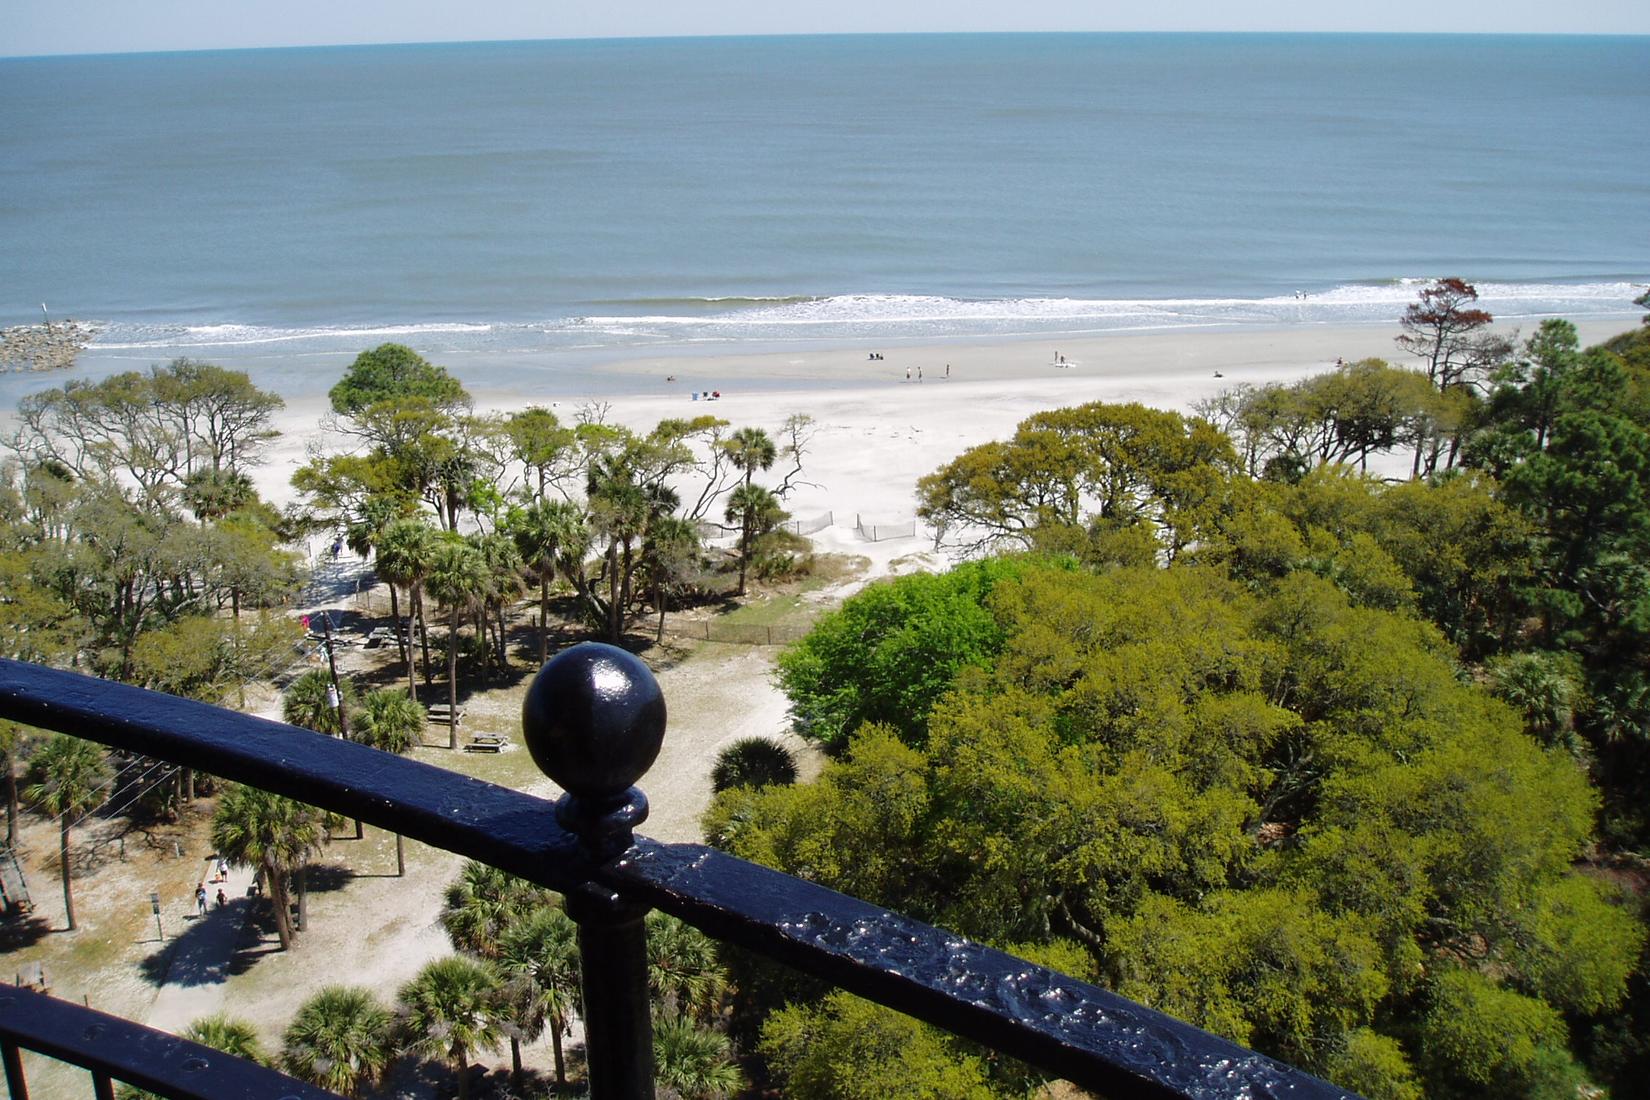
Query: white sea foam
[[876, 316], [125, 337]]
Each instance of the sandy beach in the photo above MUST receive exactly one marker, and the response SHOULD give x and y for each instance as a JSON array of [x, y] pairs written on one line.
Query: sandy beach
[[875, 432]]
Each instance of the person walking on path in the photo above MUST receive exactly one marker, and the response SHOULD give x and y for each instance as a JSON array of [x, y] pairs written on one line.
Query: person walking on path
[[195, 968], [200, 898]]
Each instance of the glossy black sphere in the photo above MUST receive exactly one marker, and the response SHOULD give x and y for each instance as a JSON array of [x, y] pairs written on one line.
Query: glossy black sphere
[[594, 719]]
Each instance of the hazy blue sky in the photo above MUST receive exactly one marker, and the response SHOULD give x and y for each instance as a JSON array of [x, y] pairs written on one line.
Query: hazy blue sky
[[102, 26]]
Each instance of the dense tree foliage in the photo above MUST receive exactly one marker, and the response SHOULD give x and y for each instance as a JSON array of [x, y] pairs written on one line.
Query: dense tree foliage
[[1308, 757], [1277, 814]]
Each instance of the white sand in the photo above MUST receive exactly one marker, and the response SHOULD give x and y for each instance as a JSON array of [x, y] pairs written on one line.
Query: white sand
[[877, 434]]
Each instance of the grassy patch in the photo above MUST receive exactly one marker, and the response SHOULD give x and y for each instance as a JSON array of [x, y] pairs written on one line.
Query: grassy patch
[[770, 611]]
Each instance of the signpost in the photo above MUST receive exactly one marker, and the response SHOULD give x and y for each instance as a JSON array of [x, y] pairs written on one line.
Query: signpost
[[154, 903]]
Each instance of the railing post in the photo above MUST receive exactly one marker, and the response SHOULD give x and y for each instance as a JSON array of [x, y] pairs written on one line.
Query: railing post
[[594, 719], [16, 1084]]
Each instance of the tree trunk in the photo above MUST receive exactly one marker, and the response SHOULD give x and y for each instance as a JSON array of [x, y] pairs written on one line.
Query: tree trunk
[[615, 627], [281, 900], [423, 634], [240, 673], [660, 639], [63, 854], [303, 898], [395, 623], [503, 646], [744, 552], [555, 1048], [452, 681], [405, 642], [544, 620], [515, 1063], [462, 1065]]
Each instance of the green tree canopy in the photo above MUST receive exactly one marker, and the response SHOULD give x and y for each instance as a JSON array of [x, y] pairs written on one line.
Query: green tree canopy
[[1272, 811], [393, 373]]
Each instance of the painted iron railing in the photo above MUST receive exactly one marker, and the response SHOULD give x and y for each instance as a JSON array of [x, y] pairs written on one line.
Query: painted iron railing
[[594, 719]]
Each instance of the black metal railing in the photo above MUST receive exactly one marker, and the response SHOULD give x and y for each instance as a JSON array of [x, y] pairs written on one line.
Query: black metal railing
[[594, 719]]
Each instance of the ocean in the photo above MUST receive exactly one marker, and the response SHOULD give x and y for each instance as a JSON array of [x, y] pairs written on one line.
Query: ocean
[[576, 200]]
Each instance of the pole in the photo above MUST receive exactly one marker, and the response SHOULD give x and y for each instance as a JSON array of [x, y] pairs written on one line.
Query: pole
[[332, 668], [154, 903], [337, 694]]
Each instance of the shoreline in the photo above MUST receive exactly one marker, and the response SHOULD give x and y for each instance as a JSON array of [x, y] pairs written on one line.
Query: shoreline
[[874, 433]]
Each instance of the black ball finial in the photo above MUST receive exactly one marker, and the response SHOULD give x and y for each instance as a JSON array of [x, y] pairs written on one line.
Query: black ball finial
[[594, 719]]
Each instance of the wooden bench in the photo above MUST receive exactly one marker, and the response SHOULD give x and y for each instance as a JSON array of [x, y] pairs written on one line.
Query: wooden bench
[[442, 714]]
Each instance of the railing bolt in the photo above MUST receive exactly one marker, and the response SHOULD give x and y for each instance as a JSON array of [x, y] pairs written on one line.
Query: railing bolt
[[594, 719]]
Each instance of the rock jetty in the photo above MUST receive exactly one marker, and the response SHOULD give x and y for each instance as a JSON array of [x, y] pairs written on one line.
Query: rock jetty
[[48, 346]]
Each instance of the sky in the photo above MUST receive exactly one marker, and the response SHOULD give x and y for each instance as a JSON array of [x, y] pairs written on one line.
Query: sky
[[30, 27]]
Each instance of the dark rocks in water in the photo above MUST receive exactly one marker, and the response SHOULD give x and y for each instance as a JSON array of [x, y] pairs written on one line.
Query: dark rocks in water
[[50, 346]]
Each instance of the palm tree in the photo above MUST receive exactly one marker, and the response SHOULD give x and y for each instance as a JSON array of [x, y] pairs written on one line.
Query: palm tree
[[682, 970], [483, 903], [213, 494], [1545, 688], [457, 579], [694, 1062], [72, 777], [451, 1009], [228, 1034], [405, 551], [274, 835], [538, 531], [757, 511], [540, 958], [389, 722], [504, 583], [619, 512], [671, 555], [306, 702], [751, 449], [341, 1039], [752, 762]]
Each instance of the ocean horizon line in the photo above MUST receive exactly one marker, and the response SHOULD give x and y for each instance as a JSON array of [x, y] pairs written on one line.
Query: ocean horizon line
[[711, 37]]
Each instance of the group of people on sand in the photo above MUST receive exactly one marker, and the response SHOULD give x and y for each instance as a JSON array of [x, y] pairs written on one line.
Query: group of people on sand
[[919, 372]]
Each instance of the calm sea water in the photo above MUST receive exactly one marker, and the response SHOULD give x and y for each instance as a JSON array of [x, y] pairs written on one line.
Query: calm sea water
[[579, 196]]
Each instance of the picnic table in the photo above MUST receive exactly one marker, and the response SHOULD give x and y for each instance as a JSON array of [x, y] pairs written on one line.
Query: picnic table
[[380, 635], [487, 742]]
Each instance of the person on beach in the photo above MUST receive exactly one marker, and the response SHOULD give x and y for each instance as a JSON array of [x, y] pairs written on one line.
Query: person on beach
[[948, 371], [919, 374], [908, 374]]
